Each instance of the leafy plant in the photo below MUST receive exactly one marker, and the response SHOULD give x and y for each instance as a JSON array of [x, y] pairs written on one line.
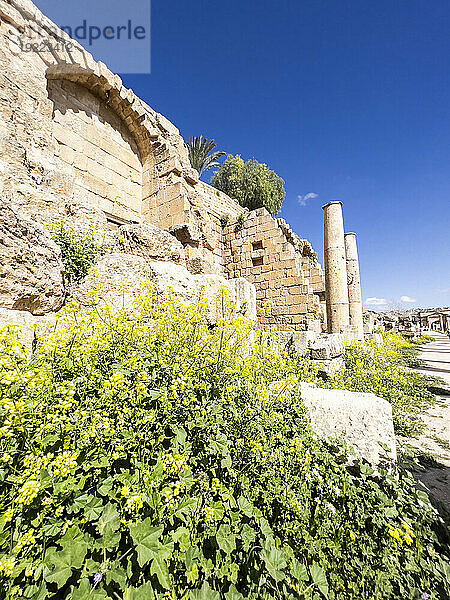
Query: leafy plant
[[79, 250], [224, 219], [146, 455], [200, 156], [240, 222], [252, 184], [382, 370]]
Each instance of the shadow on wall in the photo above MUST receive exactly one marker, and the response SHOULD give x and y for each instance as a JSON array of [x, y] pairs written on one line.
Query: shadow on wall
[[96, 147]]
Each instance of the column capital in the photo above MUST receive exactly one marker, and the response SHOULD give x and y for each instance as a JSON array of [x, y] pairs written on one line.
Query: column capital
[[330, 203]]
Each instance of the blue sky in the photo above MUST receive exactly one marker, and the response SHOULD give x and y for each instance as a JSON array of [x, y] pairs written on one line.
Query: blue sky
[[349, 100]]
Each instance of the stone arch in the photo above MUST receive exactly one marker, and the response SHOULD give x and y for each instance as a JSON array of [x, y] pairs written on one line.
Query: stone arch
[[165, 166], [101, 141]]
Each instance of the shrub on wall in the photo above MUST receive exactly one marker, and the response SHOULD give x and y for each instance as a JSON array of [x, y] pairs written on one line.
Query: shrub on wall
[[79, 250], [147, 456], [252, 184]]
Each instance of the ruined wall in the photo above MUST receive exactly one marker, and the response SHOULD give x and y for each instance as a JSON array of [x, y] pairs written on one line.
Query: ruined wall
[[259, 249], [76, 144], [72, 134]]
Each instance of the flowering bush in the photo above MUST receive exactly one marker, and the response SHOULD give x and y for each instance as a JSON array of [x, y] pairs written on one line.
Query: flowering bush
[[382, 370], [146, 456], [79, 250]]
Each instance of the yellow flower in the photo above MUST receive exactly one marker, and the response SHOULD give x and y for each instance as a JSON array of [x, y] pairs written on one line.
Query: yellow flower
[[407, 538], [8, 515], [7, 565], [28, 492], [352, 536]]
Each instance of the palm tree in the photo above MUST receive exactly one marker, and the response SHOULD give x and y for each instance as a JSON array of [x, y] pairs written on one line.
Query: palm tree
[[199, 154]]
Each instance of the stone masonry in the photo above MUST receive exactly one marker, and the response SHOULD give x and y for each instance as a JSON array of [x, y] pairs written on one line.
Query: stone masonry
[[75, 144]]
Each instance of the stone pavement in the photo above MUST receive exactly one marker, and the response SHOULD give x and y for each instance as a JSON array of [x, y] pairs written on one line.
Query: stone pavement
[[435, 439]]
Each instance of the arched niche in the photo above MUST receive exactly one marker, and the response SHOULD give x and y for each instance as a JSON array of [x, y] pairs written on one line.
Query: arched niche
[[101, 141]]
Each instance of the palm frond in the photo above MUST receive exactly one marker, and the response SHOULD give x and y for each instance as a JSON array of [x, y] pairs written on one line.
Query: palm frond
[[200, 156]]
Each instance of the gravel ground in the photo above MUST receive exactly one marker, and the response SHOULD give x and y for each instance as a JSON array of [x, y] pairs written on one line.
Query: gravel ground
[[435, 439]]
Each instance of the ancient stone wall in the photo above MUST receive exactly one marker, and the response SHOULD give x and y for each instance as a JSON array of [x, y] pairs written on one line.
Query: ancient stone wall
[[258, 248], [72, 133], [76, 144]]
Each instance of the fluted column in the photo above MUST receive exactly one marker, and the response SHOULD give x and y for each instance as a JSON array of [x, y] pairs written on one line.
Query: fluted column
[[354, 285], [336, 291]]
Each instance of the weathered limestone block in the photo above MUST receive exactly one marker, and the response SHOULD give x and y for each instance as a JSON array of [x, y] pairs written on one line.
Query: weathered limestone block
[[327, 347], [298, 340], [329, 368], [198, 264], [31, 270], [150, 241], [121, 277], [187, 234], [364, 421], [374, 337]]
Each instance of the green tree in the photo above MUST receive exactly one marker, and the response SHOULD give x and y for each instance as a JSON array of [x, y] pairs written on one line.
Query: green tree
[[200, 149], [251, 183]]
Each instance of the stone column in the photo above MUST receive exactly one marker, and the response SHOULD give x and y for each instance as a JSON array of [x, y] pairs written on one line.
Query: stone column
[[354, 285], [336, 290]]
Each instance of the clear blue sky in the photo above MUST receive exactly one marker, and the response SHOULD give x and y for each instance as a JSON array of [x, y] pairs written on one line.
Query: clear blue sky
[[346, 99]]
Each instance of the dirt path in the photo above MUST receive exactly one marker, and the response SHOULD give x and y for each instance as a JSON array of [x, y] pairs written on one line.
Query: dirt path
[[435, 439]]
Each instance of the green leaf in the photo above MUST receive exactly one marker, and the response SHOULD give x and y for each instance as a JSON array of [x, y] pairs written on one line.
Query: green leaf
[[143, 592], [246, 506], [218, 510], [265, 528], [248, 535], [41, 593], [70, 557], [146, 538], [182, 536], [299, 571], [106, 487], [219, 445], [118, 575], [206, 593], [161, 570], [85, 591], [109, 520], [51, 529], [274, 561], [319, 578], [109, 540], [80, 502], [233, 594], [187, 506], [225, 539], [93, 509]]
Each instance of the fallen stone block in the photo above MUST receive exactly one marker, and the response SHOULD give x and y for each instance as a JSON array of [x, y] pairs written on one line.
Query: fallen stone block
[[329, 367], [121, 277], [327, 347], [151, 242], [362, 420]]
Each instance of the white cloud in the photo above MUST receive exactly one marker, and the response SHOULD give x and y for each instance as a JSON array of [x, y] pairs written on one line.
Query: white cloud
[[376, 301], [443, 291], [302, 200], [407, 299]]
